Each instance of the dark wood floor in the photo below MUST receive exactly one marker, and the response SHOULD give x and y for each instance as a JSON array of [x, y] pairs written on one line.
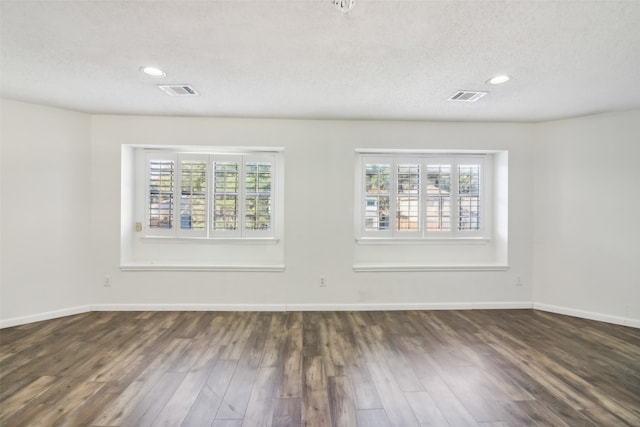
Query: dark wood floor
[[414, 368]]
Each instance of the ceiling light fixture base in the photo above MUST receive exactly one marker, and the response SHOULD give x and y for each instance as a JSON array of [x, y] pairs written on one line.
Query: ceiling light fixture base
[[344, 6]]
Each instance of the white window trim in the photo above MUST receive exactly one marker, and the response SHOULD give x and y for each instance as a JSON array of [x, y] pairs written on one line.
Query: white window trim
[[178, 153], [392, 236]]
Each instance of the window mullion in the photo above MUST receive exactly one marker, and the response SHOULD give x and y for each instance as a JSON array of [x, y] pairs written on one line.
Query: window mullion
[[422, 198], [177, 197], [209, 200], [363, 195], [455, 214], [393, 198], [242, 196]]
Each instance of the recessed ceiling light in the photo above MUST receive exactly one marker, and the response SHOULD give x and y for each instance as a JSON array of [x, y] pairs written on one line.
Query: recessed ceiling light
[[498, 79], [153, 71]]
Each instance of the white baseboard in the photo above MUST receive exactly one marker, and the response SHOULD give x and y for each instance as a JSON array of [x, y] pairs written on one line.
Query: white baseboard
[[365, 267], [511, 305], [313, 307], [607, 318], [189, 307], [48, 315], [171, 267], [410, 306]]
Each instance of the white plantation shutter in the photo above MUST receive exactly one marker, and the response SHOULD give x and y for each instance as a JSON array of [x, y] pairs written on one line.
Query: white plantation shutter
[[438, 195], [160, 200], [422, 196], [200, 195], [193, 193], [258, 195], [226, 196], [469, 173], [377, 201], [408, 173]]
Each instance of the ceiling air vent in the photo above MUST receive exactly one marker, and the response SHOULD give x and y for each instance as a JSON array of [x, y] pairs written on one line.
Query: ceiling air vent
[[467, 96], [178, 90]]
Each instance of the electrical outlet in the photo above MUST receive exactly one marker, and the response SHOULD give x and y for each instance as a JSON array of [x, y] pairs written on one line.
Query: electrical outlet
[[138, 227], [519, 280], [323, 282], [107, 280]]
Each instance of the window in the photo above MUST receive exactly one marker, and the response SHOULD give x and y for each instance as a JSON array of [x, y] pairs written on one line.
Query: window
[[207, 195], [423, 196]]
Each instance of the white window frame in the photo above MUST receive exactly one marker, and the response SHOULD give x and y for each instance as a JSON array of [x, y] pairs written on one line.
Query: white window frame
[[423, 158], [209, 234]]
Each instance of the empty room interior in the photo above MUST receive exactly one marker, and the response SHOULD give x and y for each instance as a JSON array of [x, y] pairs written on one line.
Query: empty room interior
[[320, 213]]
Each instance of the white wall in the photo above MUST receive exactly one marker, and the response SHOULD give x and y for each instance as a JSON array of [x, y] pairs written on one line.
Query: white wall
[[587, 211], [319, 235], [46, 166], [585, 203]]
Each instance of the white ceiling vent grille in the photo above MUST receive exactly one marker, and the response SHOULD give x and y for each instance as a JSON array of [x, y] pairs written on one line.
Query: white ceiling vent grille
[[467, 96], [178, 90]]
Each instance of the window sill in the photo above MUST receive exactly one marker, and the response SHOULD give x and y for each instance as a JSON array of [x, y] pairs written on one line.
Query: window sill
[[199, 267], [409, 268], [213, 241], [419, 241]]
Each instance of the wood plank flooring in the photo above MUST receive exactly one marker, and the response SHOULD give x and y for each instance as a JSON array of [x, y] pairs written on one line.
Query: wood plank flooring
[[239, 369]]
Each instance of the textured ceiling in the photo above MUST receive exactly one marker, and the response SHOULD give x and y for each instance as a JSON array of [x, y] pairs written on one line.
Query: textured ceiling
[[304, 59]]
